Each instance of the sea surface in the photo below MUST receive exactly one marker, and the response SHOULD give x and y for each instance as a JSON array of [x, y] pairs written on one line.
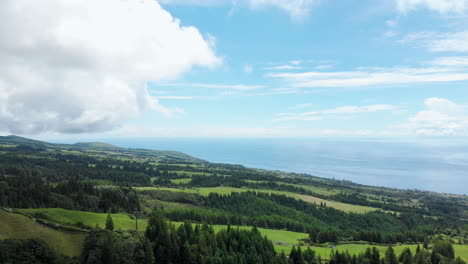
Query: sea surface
[[429, 166]]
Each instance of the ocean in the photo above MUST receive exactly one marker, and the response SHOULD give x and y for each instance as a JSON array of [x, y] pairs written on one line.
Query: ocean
[[423, 166]]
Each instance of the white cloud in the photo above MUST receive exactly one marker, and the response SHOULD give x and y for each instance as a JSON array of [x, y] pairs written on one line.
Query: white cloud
[[214, 131], [391, 23], [323, 67], [441, 6], [441, 117], [296, 9], [450, 61], [283, 67], [301, 106], [248, 68], [176, 97], [456, 42], [240, 87], [372, 77], [360, 109], [295, 62], [438, 41], [196, 2], [390, 34], [82, 65], [334, 113]]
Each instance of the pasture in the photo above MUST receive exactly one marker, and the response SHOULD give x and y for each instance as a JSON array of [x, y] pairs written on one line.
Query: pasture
[[71, 217], [21, 227]]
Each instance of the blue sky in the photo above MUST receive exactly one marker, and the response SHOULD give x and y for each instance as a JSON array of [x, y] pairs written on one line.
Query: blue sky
[[258, 68], [333, 37]]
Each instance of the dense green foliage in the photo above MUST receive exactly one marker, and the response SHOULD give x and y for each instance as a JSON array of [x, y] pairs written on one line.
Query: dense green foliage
[[27, 251], [116, 247], [323, 223], [442, 253], [202, 245], [98, 177], [28, 189]]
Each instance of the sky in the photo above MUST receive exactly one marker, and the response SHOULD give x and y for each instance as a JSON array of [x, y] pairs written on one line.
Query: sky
[[234, 68]]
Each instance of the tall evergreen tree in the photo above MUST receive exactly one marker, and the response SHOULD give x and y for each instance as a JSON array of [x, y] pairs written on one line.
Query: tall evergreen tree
[[109, 223], [390, 257]]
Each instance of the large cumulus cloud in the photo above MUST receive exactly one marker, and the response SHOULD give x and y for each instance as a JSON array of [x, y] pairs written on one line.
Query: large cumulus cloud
[[82, 65]]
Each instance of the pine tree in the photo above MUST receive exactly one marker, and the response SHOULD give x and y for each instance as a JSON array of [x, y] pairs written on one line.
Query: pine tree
[[406, 255], [109, 223], [375, 256], [426, 243], [390, 257]]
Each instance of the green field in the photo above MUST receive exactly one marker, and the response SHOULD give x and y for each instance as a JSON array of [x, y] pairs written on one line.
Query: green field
[[20, 226], [228, 190], [165, 189], [278, 237], [460, 250], [337, 205], [183, 180], [191, 173], [307, 198], [315, 189], [63, 216], [148, 204], [123, 221]]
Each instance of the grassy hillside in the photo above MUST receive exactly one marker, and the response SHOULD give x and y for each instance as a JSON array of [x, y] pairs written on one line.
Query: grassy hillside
[[282, 240], [19, 226], [324, 252], [90, 219], [228, 190], [96, 149], [36, 177], [338, 205], [123, 221]]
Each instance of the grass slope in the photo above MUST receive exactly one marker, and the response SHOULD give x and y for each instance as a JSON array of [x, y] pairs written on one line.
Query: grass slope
[[338, 205], [228, 190], [123, 221], [20, 226], [71, 217], [278, 237], [460, 250], [282, 240]]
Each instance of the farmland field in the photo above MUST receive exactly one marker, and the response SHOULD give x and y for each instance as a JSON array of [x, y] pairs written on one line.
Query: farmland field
[[123, 221], [324, 252], [63, 216], [20, 226], [228, 190], [337, 205], [183, 180]]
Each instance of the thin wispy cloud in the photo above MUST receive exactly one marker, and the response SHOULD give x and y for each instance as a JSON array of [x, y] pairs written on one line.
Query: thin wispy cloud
[[324, 67], [341, 112], [453, 61], [372, 77], [241, 87], [248, 68], [298, 10], [441, 117], [301, 106], [283, 67], [175, 97], [441, 6], [437, 41]]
